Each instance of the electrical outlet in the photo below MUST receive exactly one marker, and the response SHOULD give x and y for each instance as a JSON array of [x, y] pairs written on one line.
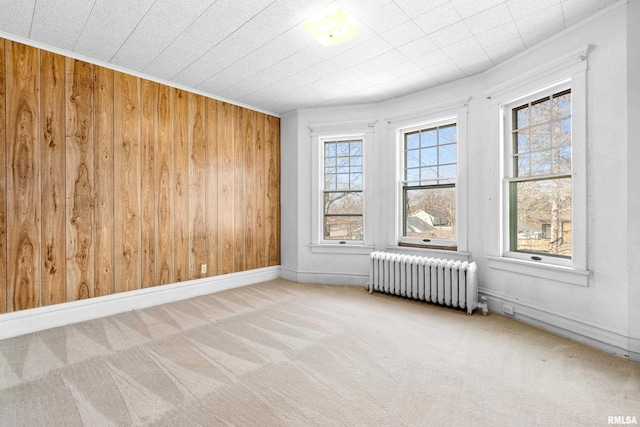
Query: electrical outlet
[[203, 268], [507, 309]]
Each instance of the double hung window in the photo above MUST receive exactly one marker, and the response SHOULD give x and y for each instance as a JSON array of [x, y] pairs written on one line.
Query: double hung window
[[429, 196]]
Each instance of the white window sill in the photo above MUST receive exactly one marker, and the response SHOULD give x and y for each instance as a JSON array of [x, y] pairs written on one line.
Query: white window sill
[[545, 271], [437, 253], [336, 248]]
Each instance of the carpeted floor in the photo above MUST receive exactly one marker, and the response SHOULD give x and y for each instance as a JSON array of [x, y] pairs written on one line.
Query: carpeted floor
[[281, 353]]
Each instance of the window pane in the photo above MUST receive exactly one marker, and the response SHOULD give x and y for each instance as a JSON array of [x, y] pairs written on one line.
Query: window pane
[[521, 116], [330, 149], [523, 165], [343, 181], [447, 154], [448, 172], [343, 216], [355, 148], [413, 140], [330, 182], [448, 134], [355, 161], [522, 141], [541, 163], [429, 137], [562, 132], [543, 217], [342, 149], [413, 159], [541, 137], [430, 213], [540, 111], [562, 160], [429, 156], [562, 105], [412, 174], [429, 174]]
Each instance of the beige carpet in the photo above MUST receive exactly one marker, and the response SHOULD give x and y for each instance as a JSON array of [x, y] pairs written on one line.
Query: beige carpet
[[280, 353]]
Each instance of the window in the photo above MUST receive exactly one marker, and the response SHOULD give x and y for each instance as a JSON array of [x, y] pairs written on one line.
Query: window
[[539, 194], [429, 197], [342, 190]]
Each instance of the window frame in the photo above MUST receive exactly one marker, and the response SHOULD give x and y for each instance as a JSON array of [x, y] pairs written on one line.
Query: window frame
[[511, 177], [573, 67], [402, 133], [320, 133], [325, 191], [453, 110]]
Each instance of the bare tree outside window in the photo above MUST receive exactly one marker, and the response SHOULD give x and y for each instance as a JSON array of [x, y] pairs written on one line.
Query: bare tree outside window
[[540, 191]]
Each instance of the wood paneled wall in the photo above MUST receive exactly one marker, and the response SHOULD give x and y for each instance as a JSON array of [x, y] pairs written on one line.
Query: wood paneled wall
[[109, 182]]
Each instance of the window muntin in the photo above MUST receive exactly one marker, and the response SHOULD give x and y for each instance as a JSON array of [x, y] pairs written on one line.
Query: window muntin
[[342, 190], [429, 185], [540, 185]]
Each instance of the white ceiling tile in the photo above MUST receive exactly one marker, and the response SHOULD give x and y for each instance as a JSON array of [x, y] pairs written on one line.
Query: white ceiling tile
[[386, 60], [490, 18], [59, 23], [468, 8], [418, 79], [462, 48], [445, 72], [16, 16], [403, 69], [438, 18], [108, 26], [276, 50], [504, 50], [431, 59], [361, 7], [403, 34], [418, 48], [385, 18], [415, 8], [474, 62], [521, 8], [450, 35], [165, 21], [540, 25], [202, 35], [497, 35], [576, 10]]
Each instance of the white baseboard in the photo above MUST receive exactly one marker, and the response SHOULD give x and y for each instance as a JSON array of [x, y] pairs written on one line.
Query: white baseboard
[[606, 339], [41, 318], [324, 278]]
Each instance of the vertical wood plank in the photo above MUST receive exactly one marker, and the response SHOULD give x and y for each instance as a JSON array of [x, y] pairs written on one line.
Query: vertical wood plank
[[250, 189], [197, 200], [79, 169], [181, 185], [23, 177], [52, 129], [238, 189], [147, 185], [211, 178], [261, 197], [163, 159], [127, 222], [273, 189], [103, 181], [226, 115], [3, 184]]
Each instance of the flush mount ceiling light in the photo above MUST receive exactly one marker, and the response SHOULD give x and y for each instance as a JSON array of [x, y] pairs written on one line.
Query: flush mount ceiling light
[[330, 26]]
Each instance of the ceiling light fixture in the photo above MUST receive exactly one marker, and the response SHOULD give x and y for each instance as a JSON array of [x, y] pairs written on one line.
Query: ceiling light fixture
[[330, 26]]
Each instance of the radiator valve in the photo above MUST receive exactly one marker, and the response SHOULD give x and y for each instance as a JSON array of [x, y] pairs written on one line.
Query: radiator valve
[[484, 305]]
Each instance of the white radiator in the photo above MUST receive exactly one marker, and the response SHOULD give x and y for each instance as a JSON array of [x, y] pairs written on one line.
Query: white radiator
[[441, 281]]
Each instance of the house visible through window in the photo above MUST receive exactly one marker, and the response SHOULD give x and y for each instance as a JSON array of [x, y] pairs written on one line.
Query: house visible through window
[[540, 178], [429, 185], [343, 184]]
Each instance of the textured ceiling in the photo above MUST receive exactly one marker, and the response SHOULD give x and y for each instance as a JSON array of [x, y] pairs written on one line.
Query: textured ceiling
[[255, 52]]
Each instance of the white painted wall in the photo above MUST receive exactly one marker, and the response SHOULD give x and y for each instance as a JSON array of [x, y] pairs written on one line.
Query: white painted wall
[[605, 312]]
